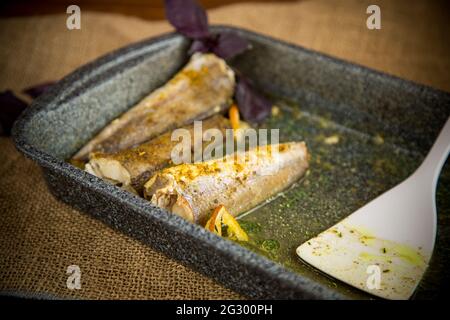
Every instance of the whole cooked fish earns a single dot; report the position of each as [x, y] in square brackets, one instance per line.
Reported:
[239, 181]
[131, 168]
[202, 88]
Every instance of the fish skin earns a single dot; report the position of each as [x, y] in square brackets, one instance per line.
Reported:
[204, 87]
[194, 190]
[138, 164]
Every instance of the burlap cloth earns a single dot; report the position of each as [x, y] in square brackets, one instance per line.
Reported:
[41, 237]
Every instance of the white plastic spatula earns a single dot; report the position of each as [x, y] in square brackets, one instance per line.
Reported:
[385, 247]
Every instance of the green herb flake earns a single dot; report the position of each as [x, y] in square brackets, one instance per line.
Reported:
[270, 245]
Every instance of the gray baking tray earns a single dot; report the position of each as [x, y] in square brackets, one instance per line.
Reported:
[318, 95]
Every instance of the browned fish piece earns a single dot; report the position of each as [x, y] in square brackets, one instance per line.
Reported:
[239, 181]
[131, 168]
[202, 88]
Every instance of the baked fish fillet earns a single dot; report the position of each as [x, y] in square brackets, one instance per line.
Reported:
[131, 168]
[238, 181]
[202, 88]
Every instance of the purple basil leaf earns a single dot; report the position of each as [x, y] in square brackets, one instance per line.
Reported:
[188, 18]
[230, 44]
[253, 106]
[39, 89]
[10, 109]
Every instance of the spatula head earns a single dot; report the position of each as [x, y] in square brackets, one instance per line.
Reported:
[353, 255]
[384, 247]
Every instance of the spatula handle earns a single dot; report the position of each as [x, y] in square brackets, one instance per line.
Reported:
[432, 165]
